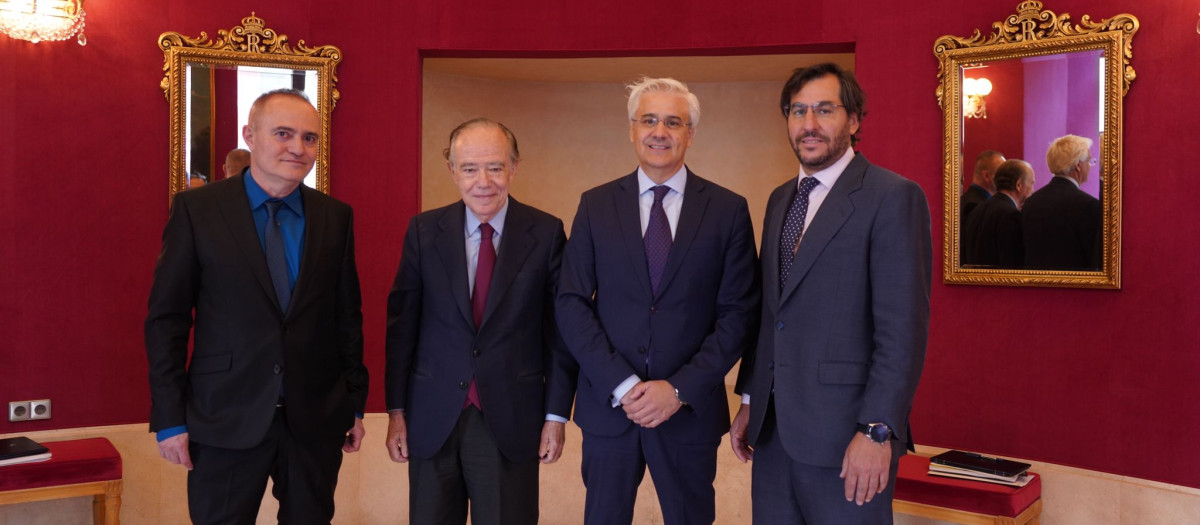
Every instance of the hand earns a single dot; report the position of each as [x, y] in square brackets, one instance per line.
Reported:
[354, 436]
[397, 437]
[175, 450]
[554, 434]
[865, 468]
[651, 404]
[737, 435]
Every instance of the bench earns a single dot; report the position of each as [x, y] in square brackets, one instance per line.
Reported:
[963, 501]
[82, 467]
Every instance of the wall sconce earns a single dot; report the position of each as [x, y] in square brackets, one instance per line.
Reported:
[38, 20]
[974, 89]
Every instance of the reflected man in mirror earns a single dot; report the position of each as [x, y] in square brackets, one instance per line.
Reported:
[236, 161]
[982, 186]
[846, 269]
[1061, 223]
[479, 385]
[196, 180]
[263, 268]
[992, 233]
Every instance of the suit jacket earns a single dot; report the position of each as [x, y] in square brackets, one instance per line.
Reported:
[992, 236]
[974, 196]
[690, 334]
[517, 358]
[212, 263]
[844, 342]
[1061, 226]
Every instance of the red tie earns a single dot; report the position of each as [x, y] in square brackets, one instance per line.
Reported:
[483, 282]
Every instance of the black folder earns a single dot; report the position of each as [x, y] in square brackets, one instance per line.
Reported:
[980, 463]
[19, 447]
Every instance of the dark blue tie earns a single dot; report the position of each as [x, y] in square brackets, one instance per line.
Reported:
[793, 227]
[276, 256]
[657, 239]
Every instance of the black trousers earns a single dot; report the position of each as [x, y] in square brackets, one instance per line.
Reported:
[469, 470]
[226, 486]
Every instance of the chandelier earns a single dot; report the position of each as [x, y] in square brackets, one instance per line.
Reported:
[38, 20]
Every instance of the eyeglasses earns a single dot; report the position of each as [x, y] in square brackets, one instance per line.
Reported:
[672, 123]
[822, 110]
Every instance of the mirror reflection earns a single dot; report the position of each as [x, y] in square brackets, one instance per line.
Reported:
[1041, 209]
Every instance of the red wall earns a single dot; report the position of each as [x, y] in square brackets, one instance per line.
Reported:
[1002, 130]
[1105, 380]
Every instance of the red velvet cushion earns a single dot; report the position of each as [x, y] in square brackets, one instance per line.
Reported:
[71, 462]
[913, 483]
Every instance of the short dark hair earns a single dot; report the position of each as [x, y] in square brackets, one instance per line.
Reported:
[1009, 172]
[851, 94]
[514, 154]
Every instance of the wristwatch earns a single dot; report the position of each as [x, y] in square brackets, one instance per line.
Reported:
[680, 399]
[878, 432]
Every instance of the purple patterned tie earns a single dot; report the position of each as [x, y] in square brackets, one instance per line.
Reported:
[657, 239]
[793, 227]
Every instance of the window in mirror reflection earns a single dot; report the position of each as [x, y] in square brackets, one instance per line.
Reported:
[217, 106]
[1033, 102]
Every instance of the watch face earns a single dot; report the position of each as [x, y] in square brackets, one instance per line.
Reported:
[879, 433]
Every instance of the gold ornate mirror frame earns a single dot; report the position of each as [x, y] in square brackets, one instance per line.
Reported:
[250, 44]
[1033, 32]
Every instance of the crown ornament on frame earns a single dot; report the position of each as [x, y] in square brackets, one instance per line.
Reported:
[254, 37]
[1031, 25]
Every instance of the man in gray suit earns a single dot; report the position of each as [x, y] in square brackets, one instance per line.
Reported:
[846, 265]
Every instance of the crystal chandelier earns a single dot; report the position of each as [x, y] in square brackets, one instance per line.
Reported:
[38, 20]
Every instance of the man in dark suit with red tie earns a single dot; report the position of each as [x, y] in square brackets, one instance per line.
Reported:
[479, 386]
[846, 266]
[276, 376]
[658, 297]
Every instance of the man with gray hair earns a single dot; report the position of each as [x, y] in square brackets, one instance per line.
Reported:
[658, 295]
[1061, 222]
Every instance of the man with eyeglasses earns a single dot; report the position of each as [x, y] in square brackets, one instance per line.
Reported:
[478, 382]
[658, 296]
[846, 266]
[1060, 221]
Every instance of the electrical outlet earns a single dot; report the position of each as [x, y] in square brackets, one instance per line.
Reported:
[18, 411]
[39, 409]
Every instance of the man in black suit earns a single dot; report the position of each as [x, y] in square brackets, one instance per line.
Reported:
[992, 234]
[276, 377]
[657, 300]
[982, 185]
[1061, 222]
[479, 385]
[846, 269]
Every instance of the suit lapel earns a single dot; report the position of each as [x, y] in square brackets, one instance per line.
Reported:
[832, 214]
[629, 216]
[316, 221]
[235, 208]
[452, 252]
[695, 201]
[514, 249]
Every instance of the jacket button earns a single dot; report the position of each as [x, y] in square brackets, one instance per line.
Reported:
[475, 353]
[779, 326]
[276, 369]
[771, 365]
[462, 385]
[641, 349]
[653, 309]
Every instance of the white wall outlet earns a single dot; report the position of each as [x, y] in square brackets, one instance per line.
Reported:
[18, 411]
[39, 409]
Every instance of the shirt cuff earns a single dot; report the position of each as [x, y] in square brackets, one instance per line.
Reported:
[624, 388]
[168, 433]
[745, 399]
[556, 418]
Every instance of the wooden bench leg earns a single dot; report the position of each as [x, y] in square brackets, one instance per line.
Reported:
[106, 508]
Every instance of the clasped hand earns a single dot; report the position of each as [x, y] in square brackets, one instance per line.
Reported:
[650, 403]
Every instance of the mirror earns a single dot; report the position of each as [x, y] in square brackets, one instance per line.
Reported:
[210, 85]
[1036, 78]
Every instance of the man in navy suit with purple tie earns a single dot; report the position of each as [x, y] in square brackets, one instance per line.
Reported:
[658, 295]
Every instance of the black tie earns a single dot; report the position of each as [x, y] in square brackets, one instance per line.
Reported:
[793, 227]
[657, 239]
[276, 256]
